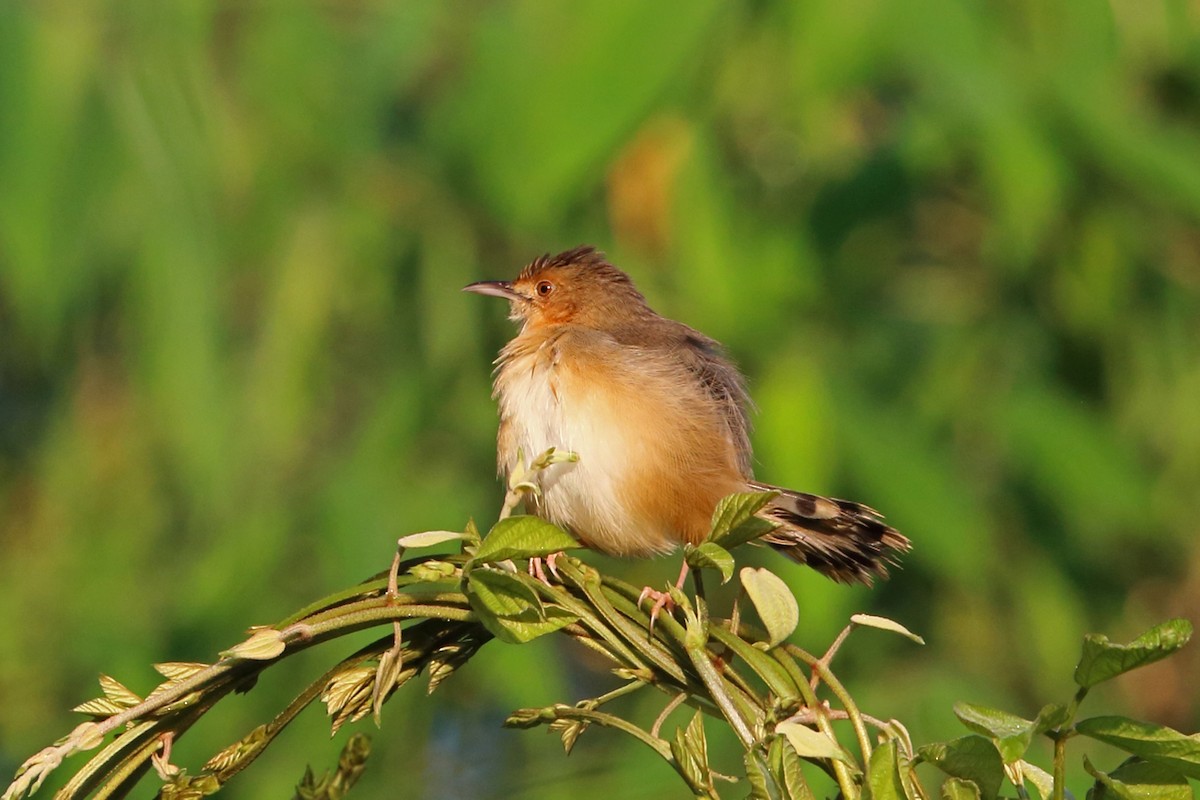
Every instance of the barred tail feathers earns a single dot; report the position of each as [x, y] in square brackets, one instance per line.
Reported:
[841, 539]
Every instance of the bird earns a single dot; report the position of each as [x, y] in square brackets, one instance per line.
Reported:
[659, 418]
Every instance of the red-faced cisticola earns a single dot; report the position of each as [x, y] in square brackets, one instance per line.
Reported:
[658, 417]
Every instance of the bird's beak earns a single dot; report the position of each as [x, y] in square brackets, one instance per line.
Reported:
[494, 288]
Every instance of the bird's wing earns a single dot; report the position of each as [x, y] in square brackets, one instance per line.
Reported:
[705, 359]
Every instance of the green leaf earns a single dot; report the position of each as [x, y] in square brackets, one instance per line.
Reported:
[763, 785]
[1042, 781]
[1138, 780]
[733, 521]
[116, 691]
[519, 631]
[1052, 715]
[695, 621]
[972, 758]
[708, 555]
[885, 624]
[430, 538]
[263, 645]
[179, 670]
[809, 743]
[387, 677]
[959, 789]
[87, 736]
[569, 731]
[434, 571]
[774, 602]
[523, 537]
[883, 774]
[1010, 733]
[472, 532]
[510, 609]
[764, 664]
[690, 750]
[1155, 743]
[99, 707]
[795, 786]
[1102, 659]
[503, 594]
[347, 697]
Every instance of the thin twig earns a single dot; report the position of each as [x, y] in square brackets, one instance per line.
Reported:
[675, 703]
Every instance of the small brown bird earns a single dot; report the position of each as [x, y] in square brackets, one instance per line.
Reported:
[658, 417]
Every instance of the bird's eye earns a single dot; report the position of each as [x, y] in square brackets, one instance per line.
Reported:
[544, 288]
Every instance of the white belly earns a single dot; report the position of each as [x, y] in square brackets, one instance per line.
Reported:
[545, 408]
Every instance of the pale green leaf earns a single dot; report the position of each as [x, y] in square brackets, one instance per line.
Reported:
[1042, 781]
[115, 691]
[430, 538]
[387, 677]
[99, 707]
[434, 571]
[347, 697]
[235, 756]
[179, 670]
[569, 731]
[885, 624]
[87, 736]
[471, 532]
[810, 743]
[263, 645]
[774, 602]
[690, 751]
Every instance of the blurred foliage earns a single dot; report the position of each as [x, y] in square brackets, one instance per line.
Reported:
[955, 246]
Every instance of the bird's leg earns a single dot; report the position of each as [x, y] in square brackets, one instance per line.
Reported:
[663, 599]
[535, 567]
[161, 760]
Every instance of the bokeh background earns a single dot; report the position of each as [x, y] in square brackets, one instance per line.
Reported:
[954, 245]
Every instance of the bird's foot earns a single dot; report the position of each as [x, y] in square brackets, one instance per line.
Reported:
[537, 571]
[161, 760]
[661, 600]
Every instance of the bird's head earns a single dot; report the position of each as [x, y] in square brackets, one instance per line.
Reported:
[578, 286]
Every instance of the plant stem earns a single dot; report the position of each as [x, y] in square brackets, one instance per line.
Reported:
[609, 721]
[1060, 765]
[713, 682]
[675, 703]
[860, 729]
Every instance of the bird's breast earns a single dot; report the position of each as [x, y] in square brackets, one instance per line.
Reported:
[652, 460]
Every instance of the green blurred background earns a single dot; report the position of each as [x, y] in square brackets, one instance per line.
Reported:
[954, 245]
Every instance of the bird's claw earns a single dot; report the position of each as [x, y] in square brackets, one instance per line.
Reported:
[536, 570]
[161, 759]
[661, 600]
